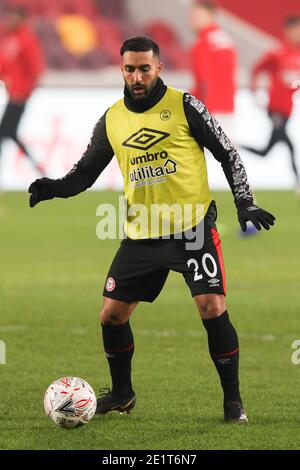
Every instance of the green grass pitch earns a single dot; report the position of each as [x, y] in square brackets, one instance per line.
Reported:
[51, 278]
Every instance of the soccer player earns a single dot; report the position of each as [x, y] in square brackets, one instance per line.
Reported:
[21, 65]
[283, 68]
[158, 134]
[213, 63]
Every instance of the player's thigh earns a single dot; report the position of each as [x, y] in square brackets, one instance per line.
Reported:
[137, 272]
[203, 269]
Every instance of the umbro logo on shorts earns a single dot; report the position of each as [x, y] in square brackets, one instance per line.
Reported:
[145, 138]
[214, 281]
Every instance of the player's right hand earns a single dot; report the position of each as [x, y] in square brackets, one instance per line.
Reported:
[41, 190]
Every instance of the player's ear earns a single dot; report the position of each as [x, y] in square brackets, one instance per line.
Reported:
[121, 63]
[159, 67]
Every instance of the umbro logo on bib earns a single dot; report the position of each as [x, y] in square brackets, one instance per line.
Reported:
[145, 138]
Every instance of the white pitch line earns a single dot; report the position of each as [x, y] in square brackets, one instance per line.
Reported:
[13, 327]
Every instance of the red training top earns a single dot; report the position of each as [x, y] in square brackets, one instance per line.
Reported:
[283, 67]
[21, 62]
[213, 64]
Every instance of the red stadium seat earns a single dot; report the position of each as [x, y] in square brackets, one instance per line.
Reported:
[53, 8]
[110, 37]
[173, 53]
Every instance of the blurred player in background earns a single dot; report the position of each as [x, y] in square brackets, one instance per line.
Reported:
[174, 127]
[283, 69]
[21, 65]
[213, 63]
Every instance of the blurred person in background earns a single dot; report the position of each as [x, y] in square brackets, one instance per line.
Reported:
[213, 64]
[21, 65]
[282, 66]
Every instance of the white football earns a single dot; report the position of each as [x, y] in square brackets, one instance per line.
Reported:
[70, 402]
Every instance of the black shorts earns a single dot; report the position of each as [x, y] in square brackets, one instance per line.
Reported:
[141, 267]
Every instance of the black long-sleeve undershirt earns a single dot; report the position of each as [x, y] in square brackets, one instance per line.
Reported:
[203, 127]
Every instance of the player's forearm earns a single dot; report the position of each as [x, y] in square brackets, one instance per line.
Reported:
[97, 156]
[208, 133]
[94, 160]
[75, 182]
[236, 176]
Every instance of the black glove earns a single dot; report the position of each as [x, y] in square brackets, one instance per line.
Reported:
[41, 190]
[248, 211]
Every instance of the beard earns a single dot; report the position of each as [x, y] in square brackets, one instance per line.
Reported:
[140, 92]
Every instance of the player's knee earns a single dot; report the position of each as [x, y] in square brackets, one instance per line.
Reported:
[215, 309]
[211, 306]
[115, 312]
[109, 316]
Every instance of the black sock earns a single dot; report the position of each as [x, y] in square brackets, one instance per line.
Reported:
[224, 350]
[119, 347]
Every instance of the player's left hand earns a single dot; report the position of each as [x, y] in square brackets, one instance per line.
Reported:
[252, 213]
[41, 190]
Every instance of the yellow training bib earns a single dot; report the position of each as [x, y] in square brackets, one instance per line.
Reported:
[164, 169]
